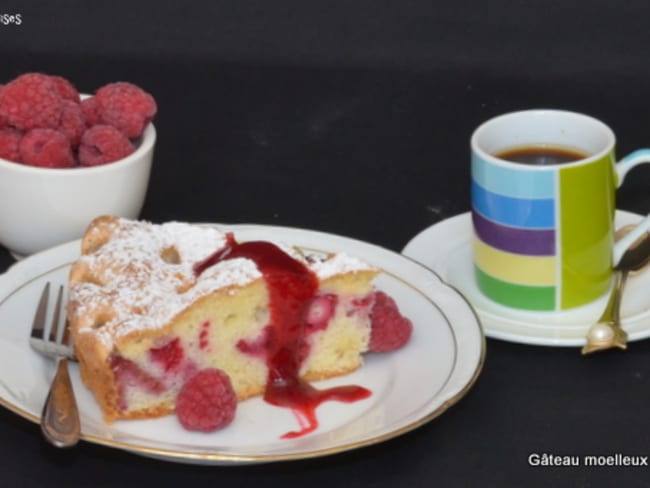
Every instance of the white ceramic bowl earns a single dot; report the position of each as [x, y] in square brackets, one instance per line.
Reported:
[43, 207]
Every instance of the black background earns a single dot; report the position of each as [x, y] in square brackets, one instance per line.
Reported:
[353, 117]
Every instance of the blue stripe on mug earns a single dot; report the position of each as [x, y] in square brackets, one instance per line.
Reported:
[518, 183]
[528, 213]
[529, 242]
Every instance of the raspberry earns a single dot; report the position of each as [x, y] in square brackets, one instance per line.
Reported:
[103, 144]
[169, 356]
[90, 110]
[390, 329]
[127, 374]
[204, 335]
[320, 311]
[3, 119]
[31, 101]
[207, 401]
[126, 107]
[73, 123]
[47, 148]
[9, 144]
[65, 89]
[259, 345]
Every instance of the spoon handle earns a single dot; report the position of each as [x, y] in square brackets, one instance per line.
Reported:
[607, 332]
[613, 307]
[621, 279]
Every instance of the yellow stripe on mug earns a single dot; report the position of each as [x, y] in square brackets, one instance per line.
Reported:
[515, 268]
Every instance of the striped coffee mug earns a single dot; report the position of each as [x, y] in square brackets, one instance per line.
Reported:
[544, 233]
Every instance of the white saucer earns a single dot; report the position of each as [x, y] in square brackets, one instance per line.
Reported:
[446, 248]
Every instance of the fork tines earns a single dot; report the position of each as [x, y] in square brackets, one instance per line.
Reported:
[50, 344]
[38, 326]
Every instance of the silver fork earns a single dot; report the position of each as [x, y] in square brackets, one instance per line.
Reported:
[60, 417]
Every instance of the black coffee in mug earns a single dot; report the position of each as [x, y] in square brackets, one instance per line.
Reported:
[541, 154]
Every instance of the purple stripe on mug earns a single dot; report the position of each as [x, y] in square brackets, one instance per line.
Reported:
[532, 242]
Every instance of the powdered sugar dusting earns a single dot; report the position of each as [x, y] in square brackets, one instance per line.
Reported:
[232, 272]
[143, 275]
[337, 264]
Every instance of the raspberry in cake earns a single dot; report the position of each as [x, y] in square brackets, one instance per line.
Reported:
[153, 306]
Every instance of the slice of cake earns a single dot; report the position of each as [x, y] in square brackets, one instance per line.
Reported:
[151, 305]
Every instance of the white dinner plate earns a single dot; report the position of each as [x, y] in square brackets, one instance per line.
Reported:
[446, 249]
[409, 387]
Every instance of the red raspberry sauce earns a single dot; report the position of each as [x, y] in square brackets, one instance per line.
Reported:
[291, 287]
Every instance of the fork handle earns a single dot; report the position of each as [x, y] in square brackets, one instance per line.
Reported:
[60, 419]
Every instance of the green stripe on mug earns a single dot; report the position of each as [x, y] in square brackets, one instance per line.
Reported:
[586, 230]
[516, 295]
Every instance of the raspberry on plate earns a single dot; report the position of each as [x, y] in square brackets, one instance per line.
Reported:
[103, 144]
[31, 101]
[390, 329]
[126, 107]
[48, 148]
[207, 401]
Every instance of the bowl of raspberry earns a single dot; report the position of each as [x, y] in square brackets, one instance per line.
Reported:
[66, 158]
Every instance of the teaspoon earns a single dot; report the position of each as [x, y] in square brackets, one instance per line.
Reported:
[607, 332]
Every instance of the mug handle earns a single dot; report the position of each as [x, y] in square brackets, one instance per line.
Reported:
[633, 159]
